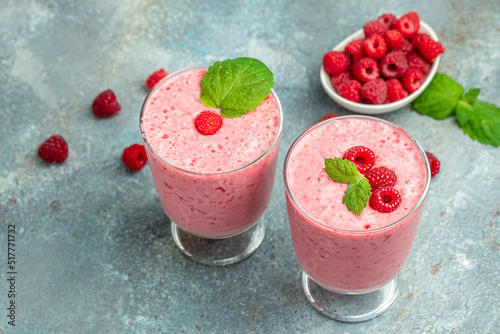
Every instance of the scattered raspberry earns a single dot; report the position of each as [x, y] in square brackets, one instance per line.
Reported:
[375, 47]
[374, 28]
[335, 62]
[433, 162]
[208, 122]
[381, 177]
[53, 150]
[407, 24]
[350, 90]
[393, 65]
[340, 78]
[105, 104]
[362, 157]
[430, 49]
[355, 49]
[374, 92]
[328, 116]
[394, 39]
[387, 20]
[385, 200]
[365, 69]
[412, 80]
[416, 61]
[155, 77]
[395, 90]
[134, 157]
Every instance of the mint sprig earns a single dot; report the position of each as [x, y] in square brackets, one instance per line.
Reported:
[358, 192]
[478, 119]
[236, 86]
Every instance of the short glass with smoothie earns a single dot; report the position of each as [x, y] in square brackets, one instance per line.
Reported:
[213, 187]
[342, 252]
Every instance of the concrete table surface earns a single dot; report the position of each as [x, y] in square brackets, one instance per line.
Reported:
[94, 253]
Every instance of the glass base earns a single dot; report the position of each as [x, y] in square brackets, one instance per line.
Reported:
[350, 307]
[220, 252]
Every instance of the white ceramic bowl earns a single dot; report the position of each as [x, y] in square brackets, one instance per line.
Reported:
[371, 109]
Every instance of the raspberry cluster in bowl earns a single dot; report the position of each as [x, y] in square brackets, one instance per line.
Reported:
[385, 63]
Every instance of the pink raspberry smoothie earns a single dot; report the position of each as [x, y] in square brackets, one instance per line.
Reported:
[339, 250]
[212, 186]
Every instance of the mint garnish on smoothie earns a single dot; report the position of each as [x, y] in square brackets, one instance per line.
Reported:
[358, 192]
[236, 86]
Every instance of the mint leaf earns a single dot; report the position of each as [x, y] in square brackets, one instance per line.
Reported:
[357, 195]
[236, 86]
[440, 97]
[463, 112]
[484, 124]
[471, 96]
[358, 192]
[342, 171]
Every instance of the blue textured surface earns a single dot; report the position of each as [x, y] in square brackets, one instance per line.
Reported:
[94, 250]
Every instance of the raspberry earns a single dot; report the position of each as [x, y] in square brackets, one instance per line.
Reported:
[362, 157]
[365, 69]
[430, 49]
[381, 177]
[155, 77]
[328, 116]
[53, 150]
[374, 92]
[335, 62]
[355, 49]
[340, 78]
[433, 162]
[375, 47]
[105, 104]
[394, 39]
[395, 90]
[417, 38]
[374, 28]
[407, 47]
[412, 79]
[350, 90]
[408, 24]
[208, 122]
[134, 157]
[385, 200]
[393, 65]
[387, 20]
[416, 61]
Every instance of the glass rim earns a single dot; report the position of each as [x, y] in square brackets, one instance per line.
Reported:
[146, 141]
[420, 202]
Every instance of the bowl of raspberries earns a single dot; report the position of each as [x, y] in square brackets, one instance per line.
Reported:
[382, 67]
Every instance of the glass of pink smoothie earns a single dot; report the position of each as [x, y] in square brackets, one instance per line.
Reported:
[350, 263]
[214, 188]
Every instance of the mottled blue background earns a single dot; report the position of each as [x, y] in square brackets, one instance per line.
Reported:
[94, 249]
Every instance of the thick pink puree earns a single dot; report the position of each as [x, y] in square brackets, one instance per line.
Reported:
[338, 249]
[211, 186]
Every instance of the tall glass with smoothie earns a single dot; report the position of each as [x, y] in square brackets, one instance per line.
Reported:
[212, 135]
[355, 189]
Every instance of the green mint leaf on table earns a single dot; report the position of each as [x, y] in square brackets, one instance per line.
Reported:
[357, 195]
[440, 98]
[341, 171]
[464, 112]
[236, 86]
[358, 192]
[471, 96]
[464, 109]
[484, 124]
